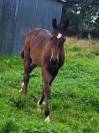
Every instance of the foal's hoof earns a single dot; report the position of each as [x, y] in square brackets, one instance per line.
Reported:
[47, 119]
[22, 87]
[38, 107]
[43, 103]
[21, 90]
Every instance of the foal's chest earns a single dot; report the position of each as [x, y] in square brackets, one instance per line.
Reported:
[53, 69]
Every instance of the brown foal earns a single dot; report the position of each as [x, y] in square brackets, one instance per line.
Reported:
[44, 49]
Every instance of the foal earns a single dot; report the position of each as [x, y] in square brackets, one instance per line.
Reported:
[44, 49]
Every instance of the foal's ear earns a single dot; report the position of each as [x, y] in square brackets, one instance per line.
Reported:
[54, 23]
[65, 25]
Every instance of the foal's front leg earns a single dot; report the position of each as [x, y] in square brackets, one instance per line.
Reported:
[39, 103]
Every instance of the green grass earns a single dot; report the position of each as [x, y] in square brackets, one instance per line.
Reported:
[75, 94]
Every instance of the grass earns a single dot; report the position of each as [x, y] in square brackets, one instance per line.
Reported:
[75, 94]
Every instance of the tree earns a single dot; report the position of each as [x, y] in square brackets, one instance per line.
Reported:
[82, 14]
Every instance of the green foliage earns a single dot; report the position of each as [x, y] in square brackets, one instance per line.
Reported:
[83, 16]
[75, 94]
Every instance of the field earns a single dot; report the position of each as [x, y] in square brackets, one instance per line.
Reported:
[75, 93]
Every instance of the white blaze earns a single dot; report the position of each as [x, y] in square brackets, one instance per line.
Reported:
[59, 35]
[51, 55]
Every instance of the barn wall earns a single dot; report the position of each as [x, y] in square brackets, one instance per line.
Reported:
[1, 2]
[20, 17]
[7, 26]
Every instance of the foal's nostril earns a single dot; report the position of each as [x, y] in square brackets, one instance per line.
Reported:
[53, 61]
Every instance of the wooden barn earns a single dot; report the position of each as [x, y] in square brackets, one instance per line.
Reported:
[17, 17]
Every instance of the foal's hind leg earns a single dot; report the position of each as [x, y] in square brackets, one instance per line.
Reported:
[28, 67]
[26, 76]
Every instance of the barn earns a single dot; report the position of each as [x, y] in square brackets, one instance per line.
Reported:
[17, 17]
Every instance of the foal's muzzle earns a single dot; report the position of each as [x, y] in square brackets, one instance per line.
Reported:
[53, 61]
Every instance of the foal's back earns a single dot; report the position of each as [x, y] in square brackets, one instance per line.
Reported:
[38, 42]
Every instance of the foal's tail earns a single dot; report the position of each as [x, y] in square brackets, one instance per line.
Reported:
[22, 53]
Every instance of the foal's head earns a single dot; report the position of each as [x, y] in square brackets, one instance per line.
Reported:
[58, 39]
[59, 30]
